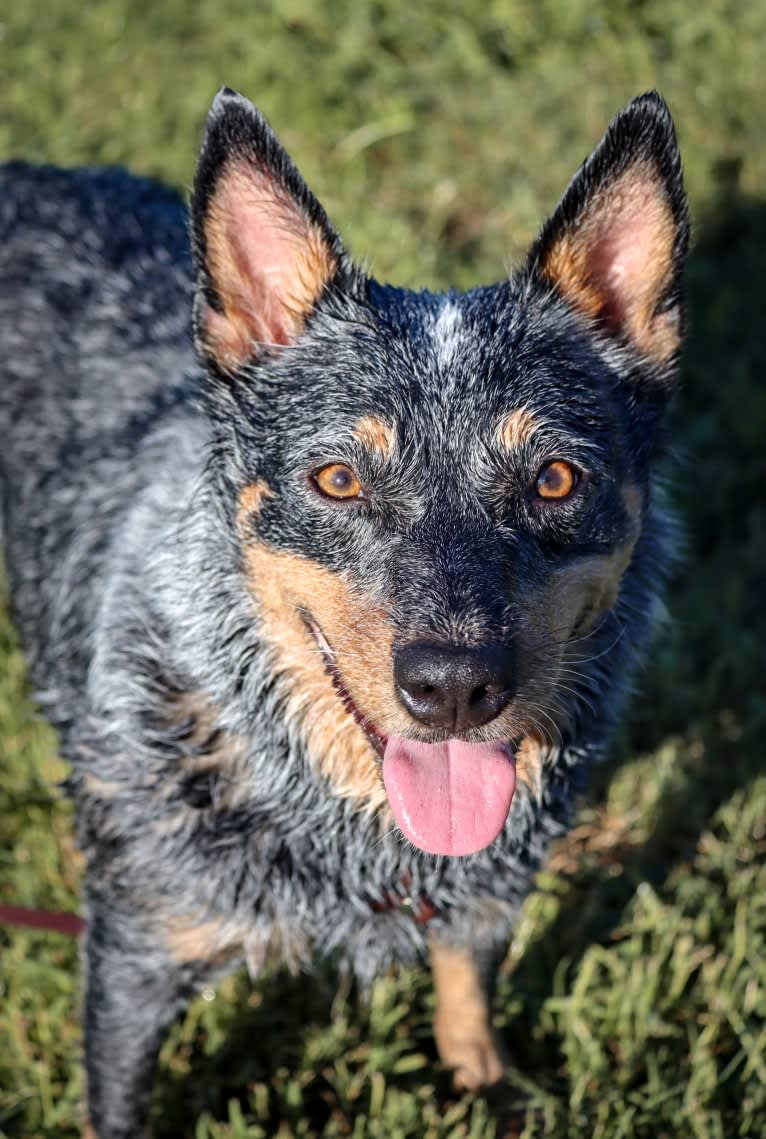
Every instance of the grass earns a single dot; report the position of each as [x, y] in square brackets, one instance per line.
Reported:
[633, 998]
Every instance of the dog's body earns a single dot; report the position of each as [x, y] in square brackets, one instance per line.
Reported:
[240, 585]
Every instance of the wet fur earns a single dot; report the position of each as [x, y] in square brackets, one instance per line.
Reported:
[162, 536]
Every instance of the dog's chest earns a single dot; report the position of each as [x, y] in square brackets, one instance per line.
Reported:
[320, 879]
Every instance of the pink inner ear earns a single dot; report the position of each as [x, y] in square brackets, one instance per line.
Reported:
[614, 261]
[267, 261]
[629, 259]
[268, 257]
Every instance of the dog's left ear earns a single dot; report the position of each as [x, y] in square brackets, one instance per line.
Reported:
[264, 249]
[616, 244]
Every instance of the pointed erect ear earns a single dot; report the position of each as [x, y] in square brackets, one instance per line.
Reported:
[264, 249]
[616, 244]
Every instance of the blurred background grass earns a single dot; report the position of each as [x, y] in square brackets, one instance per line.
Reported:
[633, 1000]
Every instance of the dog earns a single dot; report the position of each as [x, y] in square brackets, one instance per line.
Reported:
[333, 591]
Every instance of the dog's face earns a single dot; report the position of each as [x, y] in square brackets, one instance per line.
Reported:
[437, 498]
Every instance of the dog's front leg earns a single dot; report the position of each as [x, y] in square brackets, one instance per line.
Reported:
[133, 992]
[464, 980]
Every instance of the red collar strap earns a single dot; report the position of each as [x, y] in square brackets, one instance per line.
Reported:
[71, 924]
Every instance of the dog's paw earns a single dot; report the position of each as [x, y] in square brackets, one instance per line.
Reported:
[472, 1053]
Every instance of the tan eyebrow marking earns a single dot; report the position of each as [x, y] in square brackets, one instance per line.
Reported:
[375, 434]
[517, 428]
[251, 500]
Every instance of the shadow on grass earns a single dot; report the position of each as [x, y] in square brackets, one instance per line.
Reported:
[298, 1051]
[259, 1046]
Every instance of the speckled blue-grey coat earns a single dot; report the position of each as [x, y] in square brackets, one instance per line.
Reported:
[278, 535]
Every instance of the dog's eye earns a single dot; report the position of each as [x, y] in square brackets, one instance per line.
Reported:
[557, 480]
[336, 480]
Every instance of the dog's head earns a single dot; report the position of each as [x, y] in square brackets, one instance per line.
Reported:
[438, 498]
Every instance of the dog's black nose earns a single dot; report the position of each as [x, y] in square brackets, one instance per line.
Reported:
[452, 687]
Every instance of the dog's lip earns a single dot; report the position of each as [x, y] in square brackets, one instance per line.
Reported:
[375, 735]
[377, 738]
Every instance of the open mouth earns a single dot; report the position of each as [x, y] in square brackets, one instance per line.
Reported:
[450, 797]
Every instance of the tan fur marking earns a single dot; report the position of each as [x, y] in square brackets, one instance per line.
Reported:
[576, 263]
[360, 634]
[282, 944]
[100, 788]
[517, 429]
[194, 938]
[196, 709]
[250, 502]
[462, 1022]
[211, 750]
[529, 763]
[375, 434]
[251, 305]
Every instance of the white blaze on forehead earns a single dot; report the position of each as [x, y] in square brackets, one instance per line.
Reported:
[446, 333]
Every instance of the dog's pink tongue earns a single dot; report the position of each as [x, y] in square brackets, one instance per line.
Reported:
[449, 798]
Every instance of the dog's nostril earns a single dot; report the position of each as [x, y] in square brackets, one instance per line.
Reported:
[486, 690]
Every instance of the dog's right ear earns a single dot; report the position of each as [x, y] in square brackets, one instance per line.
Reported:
[264, 249]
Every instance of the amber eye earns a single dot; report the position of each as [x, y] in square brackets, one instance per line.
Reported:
[336, 480]
[557, 480]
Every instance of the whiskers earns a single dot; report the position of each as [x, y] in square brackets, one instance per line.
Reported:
[565, 680]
